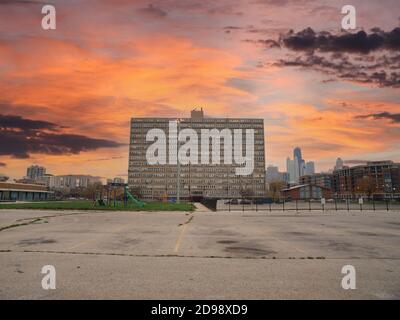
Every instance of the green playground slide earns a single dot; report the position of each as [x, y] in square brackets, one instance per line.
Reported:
[136, 201]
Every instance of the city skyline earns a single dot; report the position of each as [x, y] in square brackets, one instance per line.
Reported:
[68, 94]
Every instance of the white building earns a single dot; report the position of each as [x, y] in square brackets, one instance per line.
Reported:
[339, 164]
[72, 181]
[34, 172]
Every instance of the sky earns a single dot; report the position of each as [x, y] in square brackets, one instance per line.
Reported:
[67, 95]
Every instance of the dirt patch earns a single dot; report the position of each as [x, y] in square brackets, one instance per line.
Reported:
[369, 234]
[248, 250]
[298, 233]
[227, 241]
[35, 241]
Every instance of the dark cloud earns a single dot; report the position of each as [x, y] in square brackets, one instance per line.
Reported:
[17, 122]
[360, 42]
[266, 43]
[360, 57]
[153, 11]
[20, 137]
[3, 164]
[345, 68]
[393, 117]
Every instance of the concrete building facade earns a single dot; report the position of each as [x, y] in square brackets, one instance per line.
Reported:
[158, 181]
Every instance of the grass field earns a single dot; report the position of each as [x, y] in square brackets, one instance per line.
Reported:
[88, 205]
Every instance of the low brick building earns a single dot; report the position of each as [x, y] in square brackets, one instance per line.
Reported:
[383, 177]
[306, 191]
[23, 192]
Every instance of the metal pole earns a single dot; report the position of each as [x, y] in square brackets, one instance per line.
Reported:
[387, 205]
[178, 191]
[373, 202]
[124, 197]
[335, 204]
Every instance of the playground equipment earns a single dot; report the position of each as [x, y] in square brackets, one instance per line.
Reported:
[127, 195]
[115, 191]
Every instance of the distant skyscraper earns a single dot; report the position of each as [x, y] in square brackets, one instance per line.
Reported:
[300, 165]
[290, 168]
[310, 168]
[297, 153]
[35, 172]
[339, 164]
[272, 174]
[297, 167]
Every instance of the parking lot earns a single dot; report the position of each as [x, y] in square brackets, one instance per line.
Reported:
[200, 255]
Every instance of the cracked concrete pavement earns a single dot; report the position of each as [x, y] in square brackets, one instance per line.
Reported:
[201, 255]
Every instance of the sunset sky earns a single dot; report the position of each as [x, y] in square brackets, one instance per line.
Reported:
[67, 95]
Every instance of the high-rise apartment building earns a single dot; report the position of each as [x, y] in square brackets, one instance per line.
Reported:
[35, 172]
[197, 179]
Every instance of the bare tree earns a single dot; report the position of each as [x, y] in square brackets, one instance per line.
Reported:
[275, 189]
[366, 185]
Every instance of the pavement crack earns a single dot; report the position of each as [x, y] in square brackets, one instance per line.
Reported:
[187, 221]
[192, 256]
[15, 225]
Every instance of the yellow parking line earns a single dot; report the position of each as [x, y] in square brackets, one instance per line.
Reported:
[178, 242]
